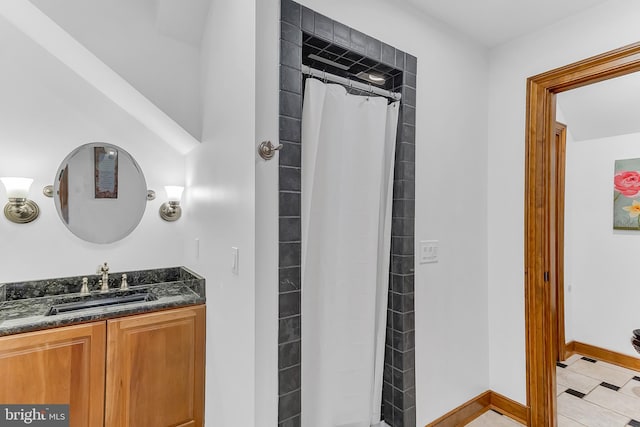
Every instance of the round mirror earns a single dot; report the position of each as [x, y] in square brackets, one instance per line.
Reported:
[100, 192]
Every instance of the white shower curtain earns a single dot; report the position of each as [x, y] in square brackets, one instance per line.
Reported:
[348, 149]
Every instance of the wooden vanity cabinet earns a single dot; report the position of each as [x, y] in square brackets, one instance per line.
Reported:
[155, 369]
[153, 364]
[57, 366]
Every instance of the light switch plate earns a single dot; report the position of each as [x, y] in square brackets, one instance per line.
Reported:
[428, 251]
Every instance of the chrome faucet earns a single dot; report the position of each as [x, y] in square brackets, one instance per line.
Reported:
[104, 270]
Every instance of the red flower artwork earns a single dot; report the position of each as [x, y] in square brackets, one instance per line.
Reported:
[627, 183]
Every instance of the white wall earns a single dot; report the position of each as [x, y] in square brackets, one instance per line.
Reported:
[266, 181]
[125, 35]
[221, 198]
[600, 262]
[597, 30]
[46, 111]
[451, 296]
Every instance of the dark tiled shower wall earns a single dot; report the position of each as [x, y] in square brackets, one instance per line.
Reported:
[399, 373]
[398, 394]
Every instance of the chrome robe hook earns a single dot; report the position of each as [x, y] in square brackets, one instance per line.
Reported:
[267, 150]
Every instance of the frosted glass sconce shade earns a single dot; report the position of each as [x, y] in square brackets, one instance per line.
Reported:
[20, 209]
[17, 188]
[171, 210]
[174, 192]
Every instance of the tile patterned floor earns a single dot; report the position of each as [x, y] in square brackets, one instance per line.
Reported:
[591, 393]
[493, 419]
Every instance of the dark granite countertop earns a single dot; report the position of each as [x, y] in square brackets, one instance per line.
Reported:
[24, 306]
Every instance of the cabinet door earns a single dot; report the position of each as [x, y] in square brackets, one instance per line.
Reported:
[155, 369]
[57, 366]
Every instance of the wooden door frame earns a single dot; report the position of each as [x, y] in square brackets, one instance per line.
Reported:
[540, 128]
[561, 159]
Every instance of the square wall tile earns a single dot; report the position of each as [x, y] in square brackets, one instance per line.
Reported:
[308, 20]
[408, 134]
[289, 204]
[290, 129]
[341, 35]
[409, 417]
[388, 55]
[291, 105]
[409, 96]
[289, 254]
[405, 171]
[401, 264]
[399, 60]
[323, 27]
[374, 48]
[289, 329]
[290, 54]
[402, 227]
[290, 79]
[289, 380]
[403, 208]
[358, 42]
[290, 12]
[408, 283]
[290, 229]
[289, 405]
[402, 245]
[408, 115]
[403, 189]
[291, 33]
[410, 79]
[289, 179]
[290, 154]
[289, 354]
[289, 279]
[406, 152]
[411, 63]
[289, 304]
[291, 422]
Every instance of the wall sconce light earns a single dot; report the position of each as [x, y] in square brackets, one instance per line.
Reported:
[171, 210]
[20, 209]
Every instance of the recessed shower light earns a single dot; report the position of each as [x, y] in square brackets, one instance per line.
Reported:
[371, 78]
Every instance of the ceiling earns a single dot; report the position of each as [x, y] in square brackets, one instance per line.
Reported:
[152, 44]
[493, 22]
[600, 110]
[181, 20]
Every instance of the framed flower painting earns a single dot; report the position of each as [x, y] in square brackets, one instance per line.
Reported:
[626, 195]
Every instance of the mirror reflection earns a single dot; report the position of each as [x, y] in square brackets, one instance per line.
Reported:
[100, 192]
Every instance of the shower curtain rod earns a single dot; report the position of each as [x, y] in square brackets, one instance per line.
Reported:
[306, 70]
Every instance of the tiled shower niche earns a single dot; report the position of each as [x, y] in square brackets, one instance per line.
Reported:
[300, 24]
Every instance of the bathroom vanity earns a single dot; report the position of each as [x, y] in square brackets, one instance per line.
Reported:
[136, 362]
